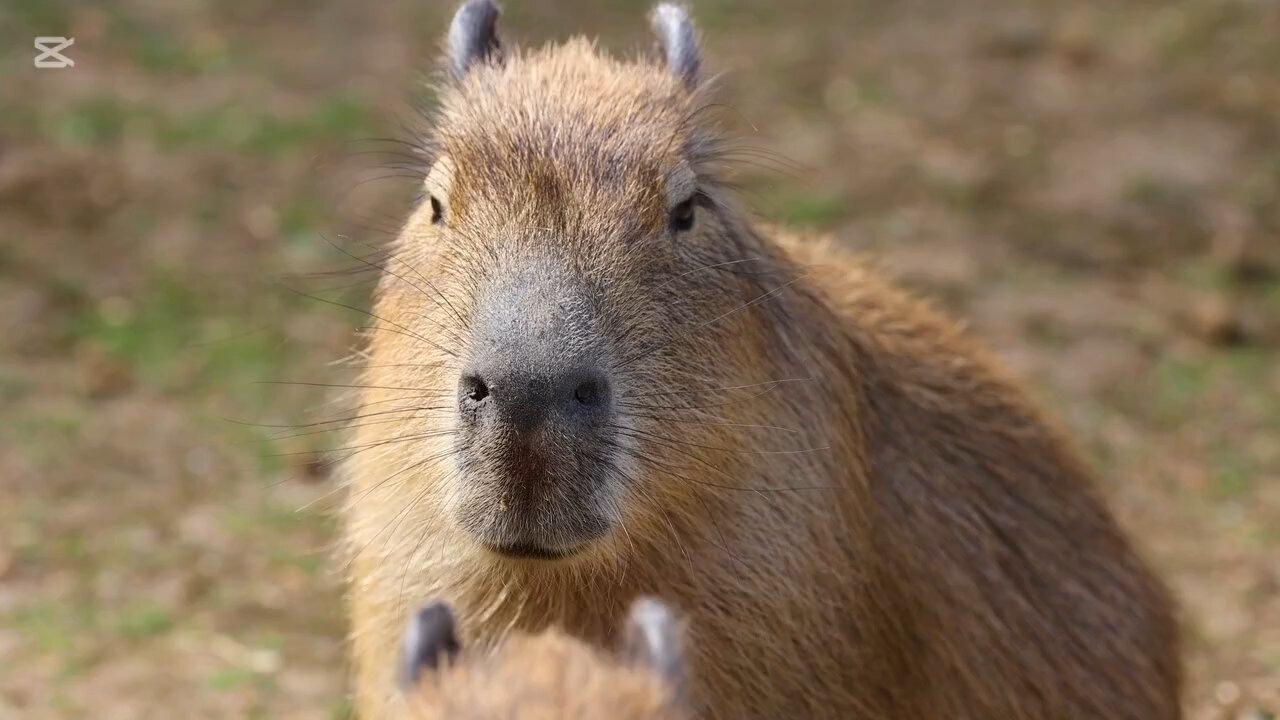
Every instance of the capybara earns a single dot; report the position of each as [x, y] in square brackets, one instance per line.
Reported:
[547, 676]
[592, 377]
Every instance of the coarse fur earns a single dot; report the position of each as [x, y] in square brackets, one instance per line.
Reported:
[553, 676]
[861, 514]
[549, 676]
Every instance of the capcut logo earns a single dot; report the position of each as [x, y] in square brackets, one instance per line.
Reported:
[50, 52]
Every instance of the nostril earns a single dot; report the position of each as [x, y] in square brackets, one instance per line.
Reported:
[475, 388]
[588, 393]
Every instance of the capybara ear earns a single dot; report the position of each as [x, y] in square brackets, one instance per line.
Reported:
[654, 638]
[473, 37]
[429, 639]
[677, 42]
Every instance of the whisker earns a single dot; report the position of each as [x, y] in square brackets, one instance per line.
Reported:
[719, 449]
[755, 301]
[367, 446]
[394, 522]
[702, 461]
[339, 385]
[383, 268]
[416, 415]
[408, 468]
[668, 419]
[335, 303]
[771, 383]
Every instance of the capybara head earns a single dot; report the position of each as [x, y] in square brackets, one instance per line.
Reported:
[549, 675]
[574, 294]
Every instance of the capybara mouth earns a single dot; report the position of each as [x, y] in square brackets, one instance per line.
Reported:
[521, 527]
[527, 503]
[530, 551]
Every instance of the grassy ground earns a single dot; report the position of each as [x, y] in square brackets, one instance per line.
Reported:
[1095, 186]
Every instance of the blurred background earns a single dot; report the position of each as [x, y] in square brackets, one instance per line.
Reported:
[1094, 186]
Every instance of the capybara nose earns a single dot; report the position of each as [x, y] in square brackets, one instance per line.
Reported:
[512, 399]
[534, 361]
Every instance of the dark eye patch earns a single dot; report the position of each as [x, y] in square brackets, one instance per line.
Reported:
[437, 211]
[683, 215]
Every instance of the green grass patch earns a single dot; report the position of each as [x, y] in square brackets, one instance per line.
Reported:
[54, 627]
[806, 209]
[1232, 476]
[1249, 365]
[276, 520]
[151, 332]
[12, 387]
[168, 333]
[1182, 385]
[232, 127]
[309, 563]
[241, 128]
[300, 217]
[1271, 296]
[231, 678]
[160, 50]
[266, 452]
[343, 709]
[44, 435]
[28, 18]
[1205, 274]
[144, 621]
[1179, 385]
[93, 121]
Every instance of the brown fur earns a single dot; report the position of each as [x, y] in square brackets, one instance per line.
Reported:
[861, 513]
[548, 676]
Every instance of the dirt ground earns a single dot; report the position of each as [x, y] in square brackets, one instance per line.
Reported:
[1094, 186]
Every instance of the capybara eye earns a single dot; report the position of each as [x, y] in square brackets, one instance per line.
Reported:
[437, 211]
[682, 216]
